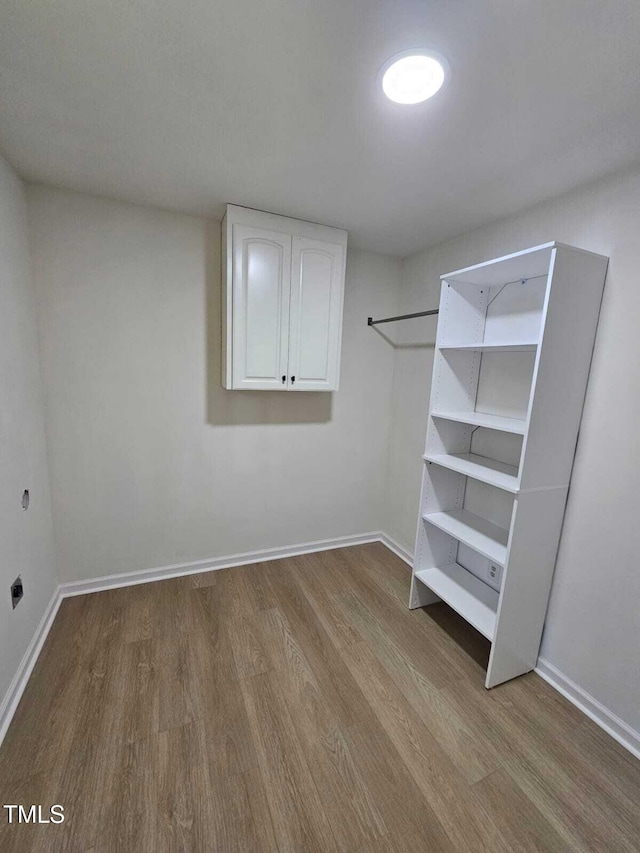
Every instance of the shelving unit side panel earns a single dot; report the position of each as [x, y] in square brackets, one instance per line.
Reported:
[420, 595]
[454, 383]
[531, 556]
[562, 366]
[427, 553]
[441, 490]
[462, 313]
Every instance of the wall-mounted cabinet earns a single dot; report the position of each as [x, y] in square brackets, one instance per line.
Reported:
[283, 292]
[513, 350]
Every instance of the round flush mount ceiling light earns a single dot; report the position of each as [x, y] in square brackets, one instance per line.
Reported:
[413, 76]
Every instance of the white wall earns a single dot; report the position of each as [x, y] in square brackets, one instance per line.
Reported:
[26, 538]
[592, 633]
[152, 462]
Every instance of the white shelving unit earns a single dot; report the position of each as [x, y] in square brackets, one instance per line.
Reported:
[514, 345]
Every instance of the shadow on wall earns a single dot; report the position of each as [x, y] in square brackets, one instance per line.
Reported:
[409, 345]
[226, 408]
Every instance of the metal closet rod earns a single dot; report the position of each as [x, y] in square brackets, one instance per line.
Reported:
[372, 322]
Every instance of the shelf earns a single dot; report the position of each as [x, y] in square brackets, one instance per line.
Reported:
[483, 536]
[480, 419]
[497, 474]
[512, 346]
[471, 598]
[529, 263]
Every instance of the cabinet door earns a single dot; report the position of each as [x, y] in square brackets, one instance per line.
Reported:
[317, 292]
[261, 290]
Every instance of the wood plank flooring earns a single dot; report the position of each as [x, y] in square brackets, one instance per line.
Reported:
[299, 706]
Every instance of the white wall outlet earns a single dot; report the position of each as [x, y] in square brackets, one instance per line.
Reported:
[494, 575]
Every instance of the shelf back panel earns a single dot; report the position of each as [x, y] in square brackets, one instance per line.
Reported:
[504, 384]
[514, 311]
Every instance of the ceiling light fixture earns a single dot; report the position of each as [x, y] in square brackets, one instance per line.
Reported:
[413, 76]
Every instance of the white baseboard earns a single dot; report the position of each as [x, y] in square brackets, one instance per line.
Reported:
[228, 562]
[603, 717]
[397, 548]
[13, 695]
[608, 721]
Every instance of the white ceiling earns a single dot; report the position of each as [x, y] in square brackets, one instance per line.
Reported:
[187, 104]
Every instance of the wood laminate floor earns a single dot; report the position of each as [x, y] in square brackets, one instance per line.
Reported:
[298, 705]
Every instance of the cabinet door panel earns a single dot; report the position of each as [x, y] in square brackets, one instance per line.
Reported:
[261, 291]
[317, 276]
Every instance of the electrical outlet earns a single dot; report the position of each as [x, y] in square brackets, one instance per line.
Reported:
[494, 574]
[17, 591]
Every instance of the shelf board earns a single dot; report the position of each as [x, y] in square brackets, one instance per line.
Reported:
[483, 536]
[467, 595]
[510, 346]
[497, 474]
[529, 263]
[480, 419]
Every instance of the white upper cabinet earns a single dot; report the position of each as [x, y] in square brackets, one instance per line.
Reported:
[283, 291]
